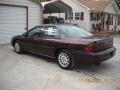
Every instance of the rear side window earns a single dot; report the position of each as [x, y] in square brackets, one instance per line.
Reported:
[51, 31]
[74, 31]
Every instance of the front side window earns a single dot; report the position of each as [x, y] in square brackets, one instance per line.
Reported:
[36, 32]
[51, 32]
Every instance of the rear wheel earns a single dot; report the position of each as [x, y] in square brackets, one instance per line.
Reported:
[17, 47]
[65, 59]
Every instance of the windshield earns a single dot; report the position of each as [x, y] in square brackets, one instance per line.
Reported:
[74, 31]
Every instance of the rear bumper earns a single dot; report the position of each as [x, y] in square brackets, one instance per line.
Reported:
[92, 58]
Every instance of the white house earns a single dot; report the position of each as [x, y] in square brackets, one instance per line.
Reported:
[17, 16]
[98, 15]
[92, 15]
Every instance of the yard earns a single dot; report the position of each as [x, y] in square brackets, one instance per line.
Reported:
[31, 72]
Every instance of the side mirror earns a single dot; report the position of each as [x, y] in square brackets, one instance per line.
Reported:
[24, 34]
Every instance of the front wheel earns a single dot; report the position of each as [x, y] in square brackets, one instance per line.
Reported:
[65, 60]
[17, 47]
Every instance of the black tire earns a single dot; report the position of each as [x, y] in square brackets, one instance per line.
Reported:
[17, 45]
[71, 63]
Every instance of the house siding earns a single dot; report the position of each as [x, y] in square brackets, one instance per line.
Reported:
[77, 7]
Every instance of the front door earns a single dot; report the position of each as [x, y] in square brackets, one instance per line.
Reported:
[33, 40]
[42, 40]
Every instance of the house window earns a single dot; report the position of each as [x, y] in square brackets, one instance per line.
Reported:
[71, 16]
[118, 22]
[77, 16]
[110, 19]
[95, 16]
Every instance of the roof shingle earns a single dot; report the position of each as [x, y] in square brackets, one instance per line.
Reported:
[96, 4]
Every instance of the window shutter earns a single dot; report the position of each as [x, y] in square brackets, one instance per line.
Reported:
[66, 16]
[82, 16]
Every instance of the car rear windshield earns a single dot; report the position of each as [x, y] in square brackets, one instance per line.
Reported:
[74, 31]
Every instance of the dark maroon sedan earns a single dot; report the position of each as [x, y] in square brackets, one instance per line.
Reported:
[68, 43]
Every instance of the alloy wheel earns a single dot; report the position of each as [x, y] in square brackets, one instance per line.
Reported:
[64, 59]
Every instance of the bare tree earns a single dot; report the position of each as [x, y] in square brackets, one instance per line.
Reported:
[118, 3]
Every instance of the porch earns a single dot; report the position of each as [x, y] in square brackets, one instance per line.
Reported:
[104, 23]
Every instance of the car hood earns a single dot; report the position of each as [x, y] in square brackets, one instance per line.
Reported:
[15, 37]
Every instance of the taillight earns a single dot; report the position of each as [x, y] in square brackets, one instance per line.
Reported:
[89, 48]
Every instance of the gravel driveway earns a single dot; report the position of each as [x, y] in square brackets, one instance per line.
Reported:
[31, 72]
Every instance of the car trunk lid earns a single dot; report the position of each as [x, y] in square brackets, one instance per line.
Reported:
[101, 44]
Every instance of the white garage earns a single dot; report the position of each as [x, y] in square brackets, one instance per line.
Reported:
[16, 17]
